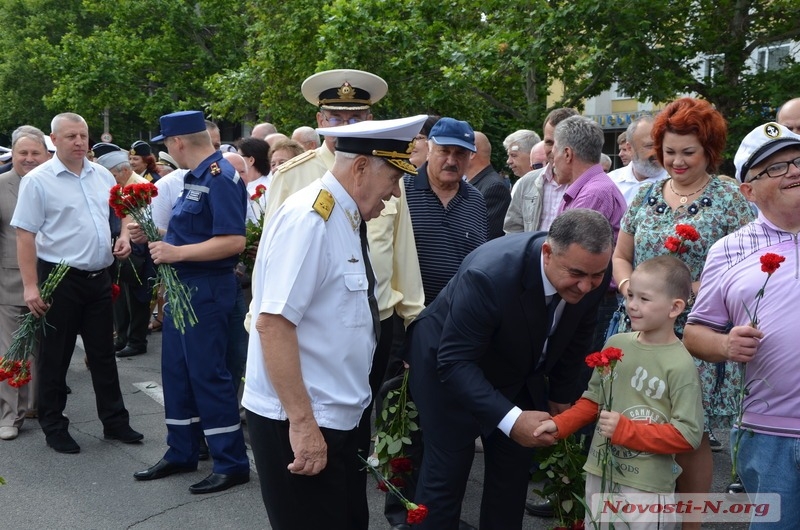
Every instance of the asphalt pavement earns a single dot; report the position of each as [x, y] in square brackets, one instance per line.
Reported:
[95, 489]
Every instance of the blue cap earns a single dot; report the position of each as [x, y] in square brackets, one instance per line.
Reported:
[178, 123]
[449, 131]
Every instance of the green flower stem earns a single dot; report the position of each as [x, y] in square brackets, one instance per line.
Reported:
[178, 295]
[26, 338]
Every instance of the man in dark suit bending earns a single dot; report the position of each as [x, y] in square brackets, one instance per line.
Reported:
[501, 348]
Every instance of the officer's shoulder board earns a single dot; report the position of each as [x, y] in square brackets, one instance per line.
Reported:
[324, 203]
[296, 161]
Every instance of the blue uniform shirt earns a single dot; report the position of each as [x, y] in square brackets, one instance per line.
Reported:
[213, 203]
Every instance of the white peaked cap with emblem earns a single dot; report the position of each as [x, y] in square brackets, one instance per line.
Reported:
[344, 89]
[391, 140]
[761, 143]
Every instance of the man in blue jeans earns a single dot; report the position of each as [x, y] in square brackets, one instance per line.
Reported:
[766, 439]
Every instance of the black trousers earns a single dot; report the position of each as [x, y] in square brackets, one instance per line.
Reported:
[131, 317]
[81, 305]
[334, 499]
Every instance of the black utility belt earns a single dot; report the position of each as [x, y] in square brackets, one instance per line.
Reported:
[76, 273]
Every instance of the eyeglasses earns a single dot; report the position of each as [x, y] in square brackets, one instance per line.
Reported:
[537, 165]
[334, 121]
[777, 169]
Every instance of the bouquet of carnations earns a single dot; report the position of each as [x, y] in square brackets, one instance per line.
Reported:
[134, 200]
[15, 366]
[679, 245]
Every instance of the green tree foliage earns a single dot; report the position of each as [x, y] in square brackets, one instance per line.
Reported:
[657, 51]
[282, 48]
[24, 81]
[138, 59]
[490, 62]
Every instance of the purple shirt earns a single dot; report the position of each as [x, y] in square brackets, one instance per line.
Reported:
[731, 278]
[596, 191]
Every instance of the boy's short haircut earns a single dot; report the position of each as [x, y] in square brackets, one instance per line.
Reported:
[676, 276]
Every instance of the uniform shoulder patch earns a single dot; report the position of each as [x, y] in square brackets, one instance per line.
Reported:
[296, 161]
[324, 203]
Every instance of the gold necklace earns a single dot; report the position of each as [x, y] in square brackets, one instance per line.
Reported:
[685, 198]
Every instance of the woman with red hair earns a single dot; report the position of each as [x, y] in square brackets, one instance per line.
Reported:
[688, 138]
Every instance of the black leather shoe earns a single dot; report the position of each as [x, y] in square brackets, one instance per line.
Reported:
[539, 509]
[62, 442]
[219, 482]
[736, 486]
[163, 469]
[123, 434]
[129, 351]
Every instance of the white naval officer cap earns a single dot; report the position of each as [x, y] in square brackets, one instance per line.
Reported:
[391, 140]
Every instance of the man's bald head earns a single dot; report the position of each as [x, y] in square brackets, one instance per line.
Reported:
[789, 115]
[262, 130]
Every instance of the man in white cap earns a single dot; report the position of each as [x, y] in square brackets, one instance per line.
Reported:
[733, 285]
[316, 329]
[345, 97]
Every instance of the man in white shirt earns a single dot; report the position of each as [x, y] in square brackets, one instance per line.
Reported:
[315, 330]
[644, 167]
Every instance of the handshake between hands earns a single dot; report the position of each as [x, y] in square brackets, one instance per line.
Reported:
[535, 428]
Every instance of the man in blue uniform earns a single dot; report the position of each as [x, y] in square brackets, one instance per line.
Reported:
[204, 238]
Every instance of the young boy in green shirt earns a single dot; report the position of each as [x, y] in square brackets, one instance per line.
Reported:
[657, 407]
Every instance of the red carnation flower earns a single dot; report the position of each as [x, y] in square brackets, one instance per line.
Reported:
[687, 232]
[382, 486]
[259, 192]
[401, 464]
[673, 244]
[115, 290]
[613, 354]
[771, 262]
[416, 513]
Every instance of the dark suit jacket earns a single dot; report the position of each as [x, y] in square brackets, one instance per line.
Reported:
[497, 197]
[474, 349]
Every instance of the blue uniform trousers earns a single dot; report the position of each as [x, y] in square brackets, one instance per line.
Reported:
[198, 389]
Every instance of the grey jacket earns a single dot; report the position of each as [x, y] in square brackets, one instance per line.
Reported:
[525, 211]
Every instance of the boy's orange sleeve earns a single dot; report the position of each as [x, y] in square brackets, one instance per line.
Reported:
[659, 438]
[582, 413]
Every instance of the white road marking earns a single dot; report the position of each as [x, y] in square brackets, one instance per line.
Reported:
[152, 389]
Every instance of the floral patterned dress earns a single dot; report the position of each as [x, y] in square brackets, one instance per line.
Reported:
[719, 211]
